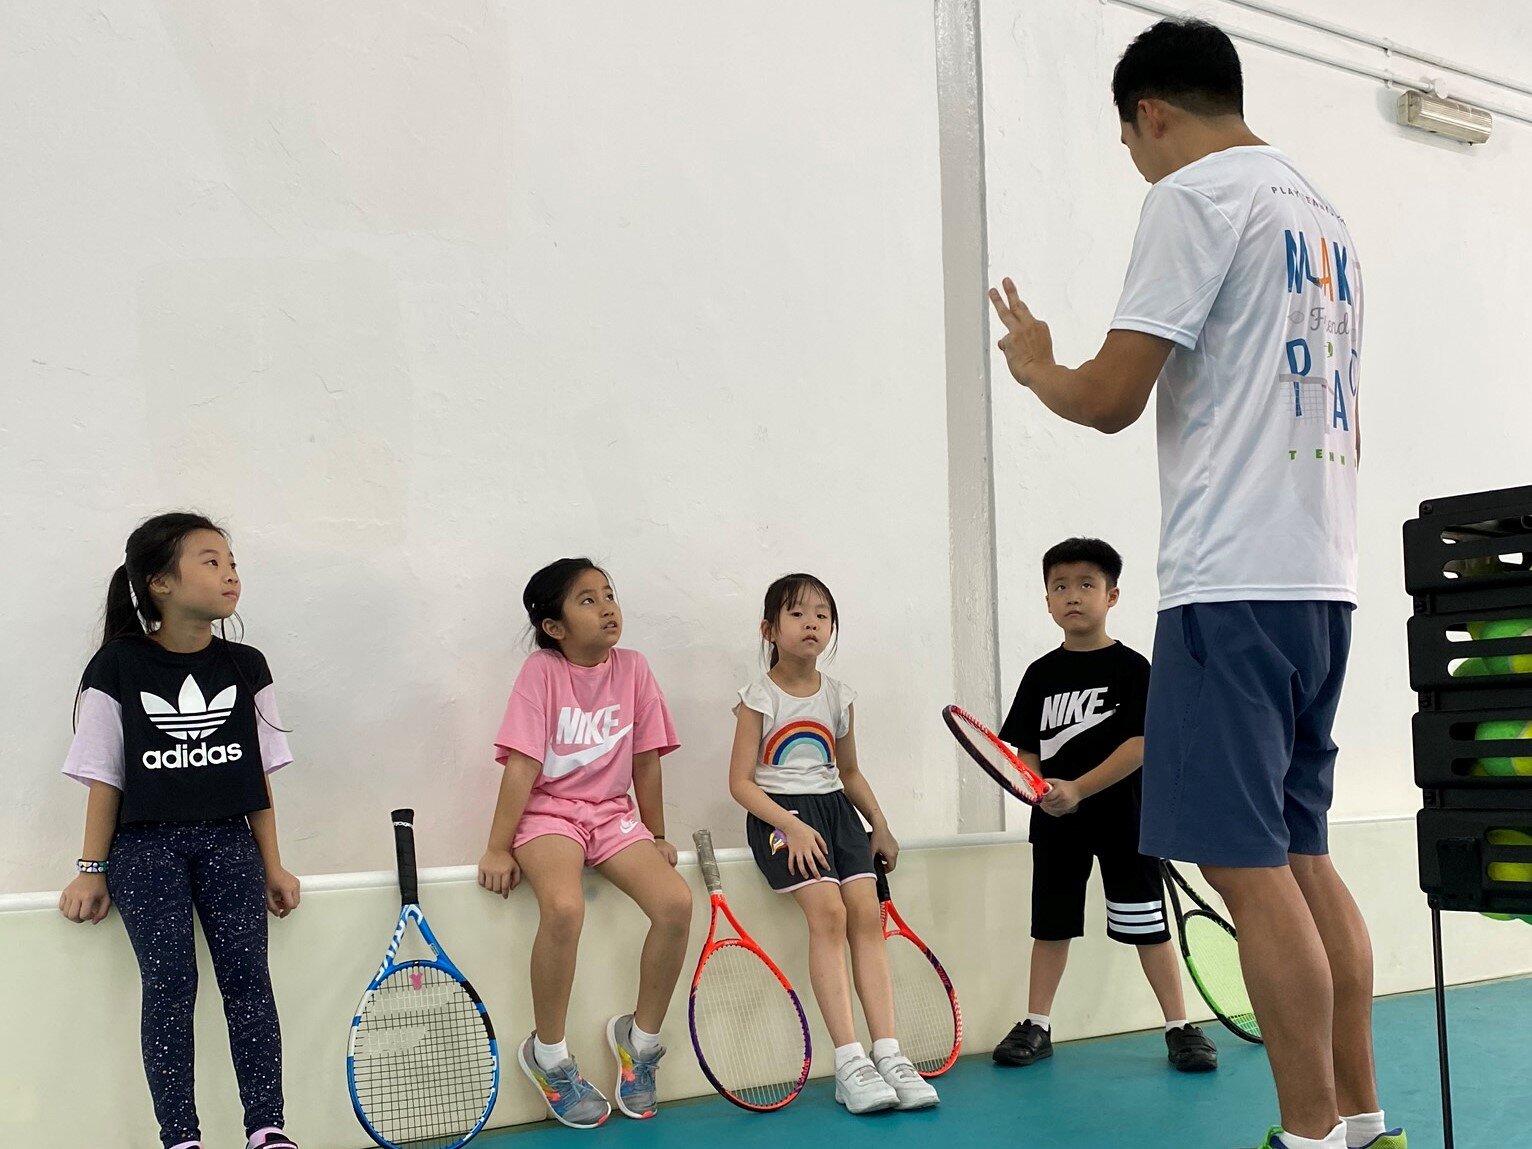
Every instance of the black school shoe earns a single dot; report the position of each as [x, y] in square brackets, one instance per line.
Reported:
[1191, 1050]
[1025, 1044]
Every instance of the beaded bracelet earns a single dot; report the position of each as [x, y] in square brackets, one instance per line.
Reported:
[87, 866]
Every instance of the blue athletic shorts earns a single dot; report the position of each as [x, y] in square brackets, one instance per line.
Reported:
[1239, 765]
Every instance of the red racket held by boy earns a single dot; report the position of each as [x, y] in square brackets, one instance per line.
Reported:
[927, 1020]
[996, 759]
[747, 1025]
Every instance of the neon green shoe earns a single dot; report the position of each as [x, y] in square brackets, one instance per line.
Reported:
[1392, 1140]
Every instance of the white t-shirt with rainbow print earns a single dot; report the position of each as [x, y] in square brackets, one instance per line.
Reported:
[798, 735]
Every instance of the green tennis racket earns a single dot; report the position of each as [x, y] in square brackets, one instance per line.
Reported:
[1210, 948]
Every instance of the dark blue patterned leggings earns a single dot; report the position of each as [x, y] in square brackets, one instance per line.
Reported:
[159, 872]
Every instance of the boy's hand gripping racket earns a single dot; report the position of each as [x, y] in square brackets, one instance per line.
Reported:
[1211, 950]
[747, 1026]
[994, 756]
[422, 1064]
[927, 1020]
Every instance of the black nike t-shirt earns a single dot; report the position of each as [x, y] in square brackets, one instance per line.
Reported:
[1073, 709]
[185, 737]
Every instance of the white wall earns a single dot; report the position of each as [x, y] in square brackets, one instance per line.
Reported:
[1443, 234]
[963, 900]
[418, 298]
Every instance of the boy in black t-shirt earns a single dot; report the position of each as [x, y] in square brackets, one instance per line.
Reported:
[1078, 719]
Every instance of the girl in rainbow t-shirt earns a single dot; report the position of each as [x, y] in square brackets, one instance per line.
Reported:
[794, 769]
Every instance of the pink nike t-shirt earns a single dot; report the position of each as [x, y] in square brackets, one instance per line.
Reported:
[585, 723]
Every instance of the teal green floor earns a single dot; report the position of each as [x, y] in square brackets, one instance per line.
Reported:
[1119, 1093]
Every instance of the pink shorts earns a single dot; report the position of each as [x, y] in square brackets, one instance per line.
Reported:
[603, 829]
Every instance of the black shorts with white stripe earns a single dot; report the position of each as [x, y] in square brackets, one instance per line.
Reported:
[1135, 899]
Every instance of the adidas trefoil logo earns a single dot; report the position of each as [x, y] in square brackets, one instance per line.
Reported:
[194, 717]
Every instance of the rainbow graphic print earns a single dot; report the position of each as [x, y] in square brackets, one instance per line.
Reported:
[799, 740]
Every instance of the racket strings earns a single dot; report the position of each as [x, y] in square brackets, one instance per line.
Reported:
[423, 1067]
[924, 1020]
[1213, 956]
[999, 764]
[748, 1028]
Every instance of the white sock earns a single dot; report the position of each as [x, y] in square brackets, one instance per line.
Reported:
[188, 1145]
[1179, 1023]
[644, 1042]
[1335, 1140]
[1363, 1129]
[1041, 1020]
[845, 1053]
[549, 1056]
[885, 1047]
[261, 1133]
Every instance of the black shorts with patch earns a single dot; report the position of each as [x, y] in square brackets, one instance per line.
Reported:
[847, 847]
[1063, 850]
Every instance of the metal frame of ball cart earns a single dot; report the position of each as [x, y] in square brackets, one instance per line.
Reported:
[1442, 547]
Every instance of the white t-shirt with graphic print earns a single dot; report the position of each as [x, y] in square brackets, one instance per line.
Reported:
[798, 735]
[1252, 274]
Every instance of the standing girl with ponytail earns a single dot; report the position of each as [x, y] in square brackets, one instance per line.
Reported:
[177, 730]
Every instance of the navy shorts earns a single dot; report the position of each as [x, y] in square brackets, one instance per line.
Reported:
[1239, 764]
[847, 847]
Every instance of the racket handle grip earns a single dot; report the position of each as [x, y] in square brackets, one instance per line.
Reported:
[880, 871]
[707, 860]
[404, 854]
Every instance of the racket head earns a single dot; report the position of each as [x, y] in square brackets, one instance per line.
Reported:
[422, 1062]
[748, 1027]
[1212, 957]
[994, 757]
[1210, 948]
[927, 1019]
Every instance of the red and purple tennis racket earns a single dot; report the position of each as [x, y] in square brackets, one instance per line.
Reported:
[748, 1027]
[996, 759]
[927, 1020]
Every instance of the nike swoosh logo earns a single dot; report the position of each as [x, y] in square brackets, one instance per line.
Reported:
[628, 825]
[558, 765]
[1051, 746]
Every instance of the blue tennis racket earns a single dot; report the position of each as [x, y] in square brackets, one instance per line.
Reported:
[422, 1063]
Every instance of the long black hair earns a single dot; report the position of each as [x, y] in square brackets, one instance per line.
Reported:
[786, 593]
[545, 594]
[152, 551]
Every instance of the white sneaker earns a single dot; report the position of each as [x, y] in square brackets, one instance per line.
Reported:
[913, 1090]
[861, 1088]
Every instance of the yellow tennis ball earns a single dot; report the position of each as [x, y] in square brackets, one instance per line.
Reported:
[1503, 767]
[1504, 628]
[1506, 836]
[1510, 871]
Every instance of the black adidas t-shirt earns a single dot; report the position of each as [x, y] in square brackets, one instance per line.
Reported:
[1073, 709]
[178, 734]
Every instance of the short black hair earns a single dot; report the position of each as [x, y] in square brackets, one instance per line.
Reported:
[1099, 554]
[1189, 63]
[793, 590]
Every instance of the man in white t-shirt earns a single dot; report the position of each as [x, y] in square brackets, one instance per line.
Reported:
[1243, 302]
